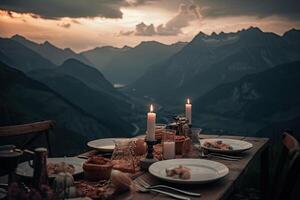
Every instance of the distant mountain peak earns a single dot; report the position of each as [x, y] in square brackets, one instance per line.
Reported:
[201, 35]
[214, 34]
[72, 61]
[47, 43]
[17, 36]
[292, 32]
[69, 50]
[149, 43]
[77, 63]
[126, 47]
[251, 29]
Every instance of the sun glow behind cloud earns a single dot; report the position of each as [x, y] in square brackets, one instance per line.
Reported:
[89, 32]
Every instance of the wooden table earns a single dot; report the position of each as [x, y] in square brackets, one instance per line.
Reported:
[225, 187]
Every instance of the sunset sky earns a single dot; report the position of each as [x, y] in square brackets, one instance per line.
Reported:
[85, 24]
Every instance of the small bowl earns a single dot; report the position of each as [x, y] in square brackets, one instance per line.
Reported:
[96, 172]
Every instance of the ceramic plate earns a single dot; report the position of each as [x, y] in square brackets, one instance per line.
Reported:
[202, 171]
[237, 145]
[25, 170]
[104, 145]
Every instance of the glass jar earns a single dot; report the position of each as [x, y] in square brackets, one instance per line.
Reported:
[123, 157]
[168, 144]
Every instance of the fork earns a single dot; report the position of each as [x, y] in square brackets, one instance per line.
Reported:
[143, 189]
[148, 186]
[225, 155]
[222, 157]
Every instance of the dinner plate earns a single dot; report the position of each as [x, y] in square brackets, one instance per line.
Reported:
[25, 170]
[237, 145]
[104, 145]
[202, 171]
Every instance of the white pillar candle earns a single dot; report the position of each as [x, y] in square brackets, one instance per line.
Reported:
[151, 118]
[188, 111]
[169, 150]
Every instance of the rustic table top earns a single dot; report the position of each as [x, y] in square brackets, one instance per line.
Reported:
[218, 190]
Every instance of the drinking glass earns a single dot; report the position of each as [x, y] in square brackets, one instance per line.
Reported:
[168, 144]
[122, 157]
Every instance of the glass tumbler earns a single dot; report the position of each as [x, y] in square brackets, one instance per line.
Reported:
[168, 144]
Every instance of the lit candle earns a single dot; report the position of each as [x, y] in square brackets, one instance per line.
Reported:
[151, 117]
[188, 111]
[169, 150]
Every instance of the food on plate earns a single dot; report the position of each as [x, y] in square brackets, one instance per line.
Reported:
[97, 168]
[218, 145]
[56, 168]
[180, 172]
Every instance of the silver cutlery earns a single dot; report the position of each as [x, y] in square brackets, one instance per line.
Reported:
[226, 155]
[148, 186]
[221, 157]
[143, 189]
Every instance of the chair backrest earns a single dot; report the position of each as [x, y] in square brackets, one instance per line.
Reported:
[35, 129]
[287, 169]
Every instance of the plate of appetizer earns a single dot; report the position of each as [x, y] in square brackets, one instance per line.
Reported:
[104, 145]
[223, 145]
[71, 165]
[188, 171]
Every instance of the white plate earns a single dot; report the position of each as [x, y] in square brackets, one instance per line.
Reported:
[25, 170]
[202, 171]
[105, 145]
[237, 145]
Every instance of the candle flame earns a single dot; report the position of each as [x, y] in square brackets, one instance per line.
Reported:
[188, 101]
[151, 108]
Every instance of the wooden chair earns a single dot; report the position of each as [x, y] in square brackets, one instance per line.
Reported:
[33, 130]
[288, 168]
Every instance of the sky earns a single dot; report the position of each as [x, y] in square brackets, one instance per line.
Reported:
[86, 24]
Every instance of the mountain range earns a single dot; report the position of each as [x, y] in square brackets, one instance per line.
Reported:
[91, 92]
[101, 56]
[248, 77]
[268, 96]
[24, 100]
[131, 64]
[50, 52]
[22, 57]
[210, 60]
[83, 86]
[119, 65]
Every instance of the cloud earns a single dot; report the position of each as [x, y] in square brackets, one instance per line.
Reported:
[143, 29]
[64, 25]
[185, 15]
[53, 9]
[126, 33]
[75, 21]
[266, 8]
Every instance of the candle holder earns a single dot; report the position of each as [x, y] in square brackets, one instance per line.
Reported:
[146, 162]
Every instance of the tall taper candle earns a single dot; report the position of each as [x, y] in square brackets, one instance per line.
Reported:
[151, 118]
[188, 111]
